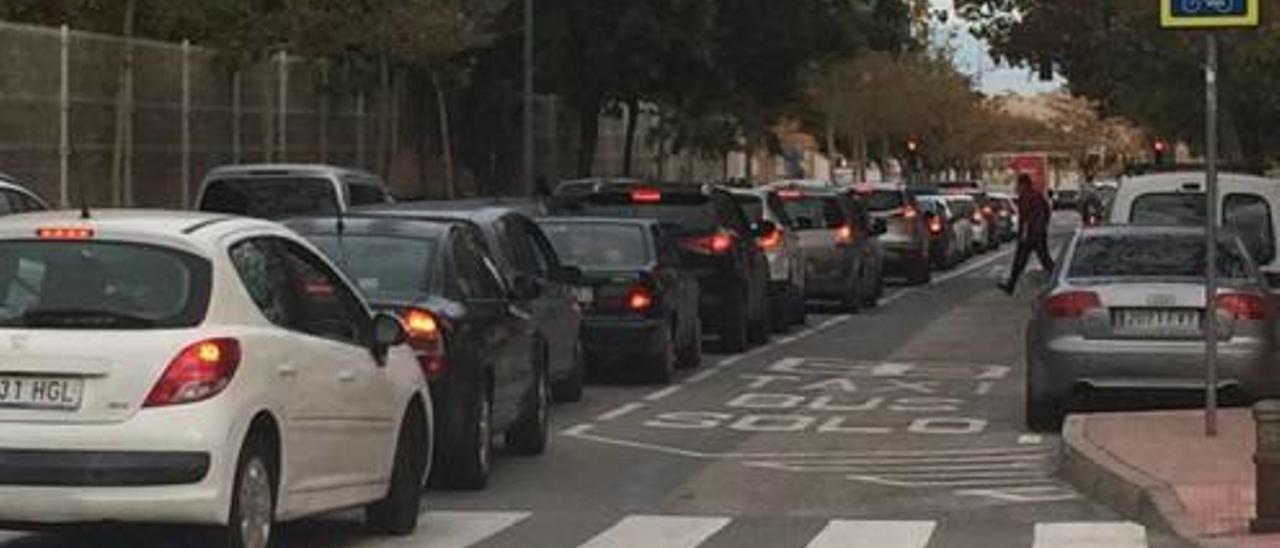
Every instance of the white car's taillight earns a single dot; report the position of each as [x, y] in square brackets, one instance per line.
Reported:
[427, 340]
[198, 373]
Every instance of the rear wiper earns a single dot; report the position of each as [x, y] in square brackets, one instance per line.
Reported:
[82, 319]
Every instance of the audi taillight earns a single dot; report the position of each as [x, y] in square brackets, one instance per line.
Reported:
[1244, 306]
[772, 240]
[639, 298]
[844, 235]
[427, 340]
[199, 372]
[717, 243]
[1072, 304]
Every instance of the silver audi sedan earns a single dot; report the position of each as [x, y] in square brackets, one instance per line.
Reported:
[1125, 310]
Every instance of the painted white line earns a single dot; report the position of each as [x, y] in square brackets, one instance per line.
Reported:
[873, 534]
[728, 362]
[984, 388]
[1035, 493]
[658, 532]
[576, 430]
[462, 529]
[890, 298]
[702, 376]
[977, 483]
[1030, 439]
[785, 340]
[664, 392]
[619, 411]
[1090, 535]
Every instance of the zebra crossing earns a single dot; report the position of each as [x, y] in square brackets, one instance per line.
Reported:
[476, 529]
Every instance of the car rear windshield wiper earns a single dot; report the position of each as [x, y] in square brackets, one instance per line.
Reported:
[80, 319]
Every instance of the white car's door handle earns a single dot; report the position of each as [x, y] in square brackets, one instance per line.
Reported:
[287, 371]
[347, 376]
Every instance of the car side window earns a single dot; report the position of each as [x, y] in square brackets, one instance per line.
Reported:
[360, 193]
[518, 248]
[731, 214]
[327, 307]
[31, 204]
[1250, 216]
[543, 254]
[10, 203]
[264, 278]
[476, 275]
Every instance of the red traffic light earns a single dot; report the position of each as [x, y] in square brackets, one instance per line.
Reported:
[912, 145]
[1159, 146]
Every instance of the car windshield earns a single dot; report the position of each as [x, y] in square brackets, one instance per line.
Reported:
[385, 268]
[882, 200]
[100, 285]
[690, 212]
[599, 246]
[270, 197]
[1153, 255]
[812, 212]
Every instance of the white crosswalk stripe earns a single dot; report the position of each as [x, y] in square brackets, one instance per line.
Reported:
[658, 532]
[873, 534]
[463, 529]
[479, 529]
[1090, 535]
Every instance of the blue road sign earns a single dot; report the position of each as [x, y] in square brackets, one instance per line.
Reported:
[1208, 13]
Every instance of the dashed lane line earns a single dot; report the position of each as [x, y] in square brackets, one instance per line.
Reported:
[619, 411]
[664, 392]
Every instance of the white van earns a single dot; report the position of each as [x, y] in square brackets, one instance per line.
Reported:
[276, 191]
[1247, 204]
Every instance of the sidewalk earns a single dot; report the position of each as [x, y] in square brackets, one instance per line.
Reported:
[1160, 469]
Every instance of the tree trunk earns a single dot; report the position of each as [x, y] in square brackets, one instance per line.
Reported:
[628, 152]
[446, 143]
[588, 133]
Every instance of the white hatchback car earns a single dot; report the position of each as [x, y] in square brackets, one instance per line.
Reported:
[192, 368]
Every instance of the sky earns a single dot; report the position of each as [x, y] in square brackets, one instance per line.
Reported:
[973, 59]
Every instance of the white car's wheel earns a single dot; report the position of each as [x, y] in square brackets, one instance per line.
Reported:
[253, 500]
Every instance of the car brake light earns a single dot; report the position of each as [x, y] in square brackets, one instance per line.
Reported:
[986, 210]
[935, 225]
[1071, 304]
[909, 212]
[427, 341]
[198, 373]
[718, 243]
[639, 298]
[844, 235]
[646, 195]
[1244, 306]
[977, 217]
[64, 233]
[790, 194]
[772, 240]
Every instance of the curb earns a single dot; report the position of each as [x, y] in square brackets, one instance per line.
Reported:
[1126, 489]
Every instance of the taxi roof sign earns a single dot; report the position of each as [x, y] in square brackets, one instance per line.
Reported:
[1209, 14]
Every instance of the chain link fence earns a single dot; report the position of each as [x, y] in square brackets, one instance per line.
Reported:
[95, 119]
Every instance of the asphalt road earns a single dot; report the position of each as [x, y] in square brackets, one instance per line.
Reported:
[899, 427]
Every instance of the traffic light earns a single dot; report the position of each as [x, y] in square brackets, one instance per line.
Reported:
[1158, 149]
[913, 146]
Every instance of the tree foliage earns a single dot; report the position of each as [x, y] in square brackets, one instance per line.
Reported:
[1113, 51]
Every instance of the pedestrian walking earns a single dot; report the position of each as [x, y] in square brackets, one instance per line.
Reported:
[1033, 231]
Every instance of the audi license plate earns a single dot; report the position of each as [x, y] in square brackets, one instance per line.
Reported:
[30, 392]
[1160, 318]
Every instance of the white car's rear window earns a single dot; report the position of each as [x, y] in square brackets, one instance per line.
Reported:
[100, 285]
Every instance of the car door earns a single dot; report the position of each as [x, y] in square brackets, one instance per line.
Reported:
[336, 325]
[508, 340]
[556, 305]
[307, 387]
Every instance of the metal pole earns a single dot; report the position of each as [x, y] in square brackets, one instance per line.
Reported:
[528, 177]
[64, 120]
[186, 123]
[282, 128]
[1211, 237]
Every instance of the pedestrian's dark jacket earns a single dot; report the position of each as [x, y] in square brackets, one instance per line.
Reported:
[1033, 214]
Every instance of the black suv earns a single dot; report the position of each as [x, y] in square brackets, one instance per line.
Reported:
[717, 244]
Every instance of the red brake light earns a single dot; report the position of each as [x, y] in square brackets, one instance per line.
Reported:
[986, 210]
[909, 212]
[935, 225]
[427, 341]
[772, 240]
[718, 243]
[639, 298]
[1244, 306]
[721, 242]
[844, 235]
[64, 233]
[198, 373]
[790, 194]
[1071, 304]
[646, 195]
